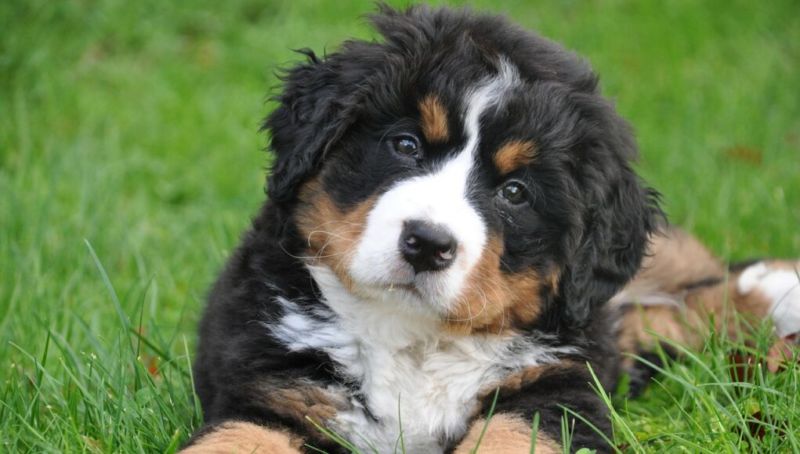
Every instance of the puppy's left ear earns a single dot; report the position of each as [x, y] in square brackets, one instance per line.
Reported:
[620, 215]
[314, 111]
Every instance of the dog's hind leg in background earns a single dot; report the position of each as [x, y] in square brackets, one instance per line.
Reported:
[682, 291]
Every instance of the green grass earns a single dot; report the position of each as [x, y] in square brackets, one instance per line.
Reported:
[130, 162]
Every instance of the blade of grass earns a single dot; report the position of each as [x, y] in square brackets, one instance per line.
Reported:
[486, 423]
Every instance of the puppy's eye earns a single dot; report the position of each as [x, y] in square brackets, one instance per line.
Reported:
[513, 192]
[406, 145]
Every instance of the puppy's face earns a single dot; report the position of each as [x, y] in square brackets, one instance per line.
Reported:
[458, 179]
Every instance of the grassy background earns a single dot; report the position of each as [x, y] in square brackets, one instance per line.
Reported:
[130, 162]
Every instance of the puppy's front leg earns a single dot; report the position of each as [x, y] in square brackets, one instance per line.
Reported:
[243, 437]
[505, 433]
[545, 390]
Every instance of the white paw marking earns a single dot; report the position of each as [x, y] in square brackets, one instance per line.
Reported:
[782, 287]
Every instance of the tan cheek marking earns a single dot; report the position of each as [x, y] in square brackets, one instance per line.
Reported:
[243, 437]
[434, 119]
[483, 302]
[513, 155]
[507, 434]
[526, 304]
[494, 301]
[331, 234]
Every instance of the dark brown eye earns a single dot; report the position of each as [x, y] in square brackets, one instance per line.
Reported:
[406, 145]
[513, 192]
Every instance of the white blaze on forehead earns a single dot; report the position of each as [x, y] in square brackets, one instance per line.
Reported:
[487, 95]
[439, 198]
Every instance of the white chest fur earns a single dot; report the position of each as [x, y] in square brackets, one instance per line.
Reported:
[412, 376]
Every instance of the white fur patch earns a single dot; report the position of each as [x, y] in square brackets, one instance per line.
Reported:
[410, 372]
[439, 198]
[782, 287]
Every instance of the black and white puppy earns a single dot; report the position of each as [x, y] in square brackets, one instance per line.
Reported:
[450, 209]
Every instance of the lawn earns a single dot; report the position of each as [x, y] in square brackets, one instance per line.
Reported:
[130, 162]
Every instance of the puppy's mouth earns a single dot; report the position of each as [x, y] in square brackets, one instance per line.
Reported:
[424, 288]
[402, 281]
[409, 287]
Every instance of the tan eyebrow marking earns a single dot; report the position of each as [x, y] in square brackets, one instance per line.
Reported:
[513, 155]
[434, 119]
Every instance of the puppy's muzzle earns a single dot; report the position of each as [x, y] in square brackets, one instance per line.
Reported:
[426, 246]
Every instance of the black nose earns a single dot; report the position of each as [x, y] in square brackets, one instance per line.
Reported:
[427, 247]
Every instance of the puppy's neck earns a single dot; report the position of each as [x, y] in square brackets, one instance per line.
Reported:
[392, 315]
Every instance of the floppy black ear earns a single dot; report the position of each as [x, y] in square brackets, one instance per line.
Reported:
[311, 116]
[620, 214]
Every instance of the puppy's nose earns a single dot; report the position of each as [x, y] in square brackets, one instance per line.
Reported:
[427, 247]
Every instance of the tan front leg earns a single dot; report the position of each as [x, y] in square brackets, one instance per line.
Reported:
[245, 437]
[505, 434]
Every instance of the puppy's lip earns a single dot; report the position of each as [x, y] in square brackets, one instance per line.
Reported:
[401, 286]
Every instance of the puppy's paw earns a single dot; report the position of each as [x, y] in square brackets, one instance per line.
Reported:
[506, 434]
[244, 437]
[779, 283]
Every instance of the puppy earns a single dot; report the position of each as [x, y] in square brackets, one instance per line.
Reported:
[452, 218]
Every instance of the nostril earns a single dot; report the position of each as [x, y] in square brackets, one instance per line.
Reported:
[446, 254]
[426, 246]
[412, 242]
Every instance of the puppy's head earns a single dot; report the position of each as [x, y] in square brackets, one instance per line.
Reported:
[461, 166]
